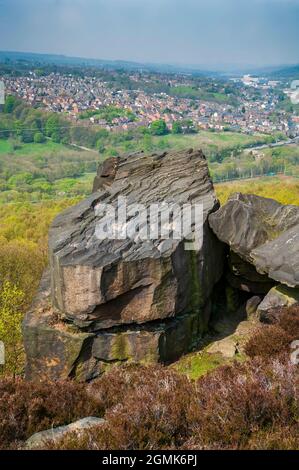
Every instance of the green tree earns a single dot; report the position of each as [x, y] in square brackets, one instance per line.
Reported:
[39, 138]
[19, 128]
[52, 125]
[159, 127]
[10, 327]
[20, 179]
[188, 126]
[177, 128]
[100, 146]
[10, 104]
[27, 136]
[56, 137]
[147, 142]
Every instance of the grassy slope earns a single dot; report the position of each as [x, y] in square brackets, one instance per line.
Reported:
[32, 149]
[205, 139]
[284, 189]
[209, 142]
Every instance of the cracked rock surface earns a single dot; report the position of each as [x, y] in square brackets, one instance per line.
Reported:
[125, 298]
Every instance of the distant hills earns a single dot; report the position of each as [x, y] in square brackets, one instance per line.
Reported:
[36, 59]
[30, 58]
[287, 72]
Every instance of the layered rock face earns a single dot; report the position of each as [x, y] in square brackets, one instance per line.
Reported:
[128, 297]
[263, 237]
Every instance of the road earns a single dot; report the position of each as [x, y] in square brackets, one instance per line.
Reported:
[280, 143]
[80, 147]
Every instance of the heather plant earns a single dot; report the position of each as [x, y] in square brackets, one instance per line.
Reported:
[248, 405]
[235, 402]
[276, 338]
[27, 407]
[268, 341]
[147, 407]
[288, 320]
[226, 409]
[278, 438]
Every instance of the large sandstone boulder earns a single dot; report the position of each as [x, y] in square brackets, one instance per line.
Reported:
[263, 233]
[126, 298]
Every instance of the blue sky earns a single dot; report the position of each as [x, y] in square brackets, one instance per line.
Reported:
[199, 32]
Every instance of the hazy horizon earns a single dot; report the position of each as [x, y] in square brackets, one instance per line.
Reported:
[213, 67]
[205, 34]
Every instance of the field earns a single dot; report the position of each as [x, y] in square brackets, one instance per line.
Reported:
[212, 143]
[32, 149]
[220, 140]
[50, 170]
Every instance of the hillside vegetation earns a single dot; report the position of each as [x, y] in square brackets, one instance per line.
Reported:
[284, 189]
[23, 257]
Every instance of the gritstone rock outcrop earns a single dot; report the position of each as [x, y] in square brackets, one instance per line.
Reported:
[263, 237]
[107, 301]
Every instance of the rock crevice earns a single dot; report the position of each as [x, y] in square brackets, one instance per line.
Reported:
[263, 238]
